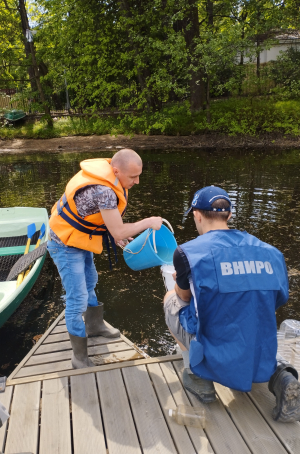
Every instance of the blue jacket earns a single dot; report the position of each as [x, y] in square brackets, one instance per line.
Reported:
[239, 282]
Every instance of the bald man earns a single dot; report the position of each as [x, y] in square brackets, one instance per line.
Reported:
[88, 215]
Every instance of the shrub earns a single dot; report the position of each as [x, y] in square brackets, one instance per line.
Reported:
[285, 72]
[236, 116]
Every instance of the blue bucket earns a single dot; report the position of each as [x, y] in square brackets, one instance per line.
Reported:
[151, 248]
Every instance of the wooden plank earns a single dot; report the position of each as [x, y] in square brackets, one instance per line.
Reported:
[288, 434]
[67, 354]
[66, 345]
[128, 341]
[60, 334]
[66, 365]
[198, 436]
[41, 340]
[118, 422]
[51, 348]
[74, 372]
[24, 420]
[5, 399]
[56, 338]
[153, 431]
[55, 421]
[88, 436]
[221, 431]
[254, 429]
[61, 337]
[59, 329]
[44, 369]
[179, 433]
[128, 355]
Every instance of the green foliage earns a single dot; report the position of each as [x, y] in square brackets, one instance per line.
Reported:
[231, 117]
[12, 58]
[285, 72]
[144, 53]
[114, 53]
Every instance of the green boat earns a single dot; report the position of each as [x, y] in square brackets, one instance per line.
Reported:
[14, 115]
[13, 239]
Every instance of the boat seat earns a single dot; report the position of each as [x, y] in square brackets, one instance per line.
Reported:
[6, 264]
[11, 249]
[18, 240]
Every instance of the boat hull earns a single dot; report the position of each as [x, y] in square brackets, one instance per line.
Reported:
[13, 228]
[15, 303]
[15, 115]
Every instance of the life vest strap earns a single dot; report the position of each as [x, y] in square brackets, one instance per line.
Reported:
[59, 207]
[107, 237]
[125, 195]
[80, 227]
[82, 221]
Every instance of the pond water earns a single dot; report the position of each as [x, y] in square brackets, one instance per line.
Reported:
[264, 188]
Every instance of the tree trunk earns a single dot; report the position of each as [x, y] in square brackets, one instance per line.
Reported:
[142, 73]
[258, 68]
[210, 13]
[210, 20]
[208, 116]
[25, 26]
[30, 47]
[258, 62]
[242, 20]
[241, 65]
[191, 33]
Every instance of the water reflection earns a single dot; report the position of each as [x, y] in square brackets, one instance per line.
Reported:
[265, 191]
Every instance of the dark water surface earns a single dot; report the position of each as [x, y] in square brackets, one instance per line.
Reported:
[265, 190]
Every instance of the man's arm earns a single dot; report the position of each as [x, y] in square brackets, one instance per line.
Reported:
[113, 221]
[182, 267]
[185, 295]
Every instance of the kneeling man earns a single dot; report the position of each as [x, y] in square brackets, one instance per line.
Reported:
[222, 312]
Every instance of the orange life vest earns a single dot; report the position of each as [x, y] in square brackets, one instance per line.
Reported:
[86, 233]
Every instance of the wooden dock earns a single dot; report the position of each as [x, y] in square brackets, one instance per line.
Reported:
[121, 406]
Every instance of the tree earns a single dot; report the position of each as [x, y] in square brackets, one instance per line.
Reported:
[139, 53]
[192, 35]
[31, 50]
[12, 69]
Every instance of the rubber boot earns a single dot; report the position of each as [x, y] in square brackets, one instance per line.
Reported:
[203, 389]
[80, 357]
[285, 386]
[94, 324]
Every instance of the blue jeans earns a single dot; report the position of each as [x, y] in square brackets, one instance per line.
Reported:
[79, 277]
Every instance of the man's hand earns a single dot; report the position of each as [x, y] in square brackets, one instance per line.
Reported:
[156, 222]
[113, 221]
[124, 242]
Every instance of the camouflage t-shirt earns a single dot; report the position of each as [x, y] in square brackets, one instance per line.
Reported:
[90, 200]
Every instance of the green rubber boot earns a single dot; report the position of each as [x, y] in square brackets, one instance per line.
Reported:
[80, 359]
[285, 386]
[203, 389]
[95, 325]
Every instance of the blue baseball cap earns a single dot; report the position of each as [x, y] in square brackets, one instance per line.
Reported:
[205, 197]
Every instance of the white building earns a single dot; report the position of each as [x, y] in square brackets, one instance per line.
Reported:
[284, 43]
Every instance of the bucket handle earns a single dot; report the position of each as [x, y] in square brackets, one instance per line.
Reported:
[170, 227]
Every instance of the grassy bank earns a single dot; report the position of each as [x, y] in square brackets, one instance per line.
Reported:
[233, 117]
